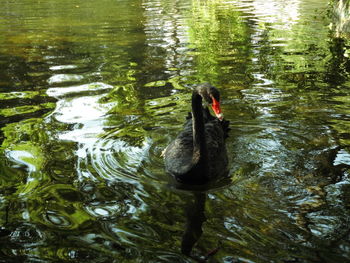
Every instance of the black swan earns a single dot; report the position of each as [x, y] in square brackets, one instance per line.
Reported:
[198, 154]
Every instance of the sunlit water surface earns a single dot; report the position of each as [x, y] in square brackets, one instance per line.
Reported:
[91, 92]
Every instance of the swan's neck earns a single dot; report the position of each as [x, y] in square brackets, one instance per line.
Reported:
[200, 152]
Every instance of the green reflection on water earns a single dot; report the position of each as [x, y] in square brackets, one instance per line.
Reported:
[92, 91]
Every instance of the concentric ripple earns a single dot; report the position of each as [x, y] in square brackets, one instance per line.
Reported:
[114, 157]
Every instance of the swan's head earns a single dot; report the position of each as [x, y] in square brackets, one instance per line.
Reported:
[211, 95]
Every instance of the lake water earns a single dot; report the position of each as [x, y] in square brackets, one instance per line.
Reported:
[91, 92]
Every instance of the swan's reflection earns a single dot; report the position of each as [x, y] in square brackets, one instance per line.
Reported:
[193, 231]
[195, 218]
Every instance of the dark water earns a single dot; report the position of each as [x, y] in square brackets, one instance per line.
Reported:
[91, 92]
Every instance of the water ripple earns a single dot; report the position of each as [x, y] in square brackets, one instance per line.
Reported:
[54, 218]
[112, 157]
[27, 233]
[62, 78]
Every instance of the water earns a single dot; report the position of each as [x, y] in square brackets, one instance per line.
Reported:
[91, 92]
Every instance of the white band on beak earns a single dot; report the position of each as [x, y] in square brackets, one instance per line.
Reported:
[220, 116]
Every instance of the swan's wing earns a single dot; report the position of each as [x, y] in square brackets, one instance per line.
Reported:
[178, 154]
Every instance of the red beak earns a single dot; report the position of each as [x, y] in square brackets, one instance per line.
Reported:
[216, 108]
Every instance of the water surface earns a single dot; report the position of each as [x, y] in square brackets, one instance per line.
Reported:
[91, 92]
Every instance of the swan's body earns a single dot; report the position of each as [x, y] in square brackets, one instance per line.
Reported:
[198, 153]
